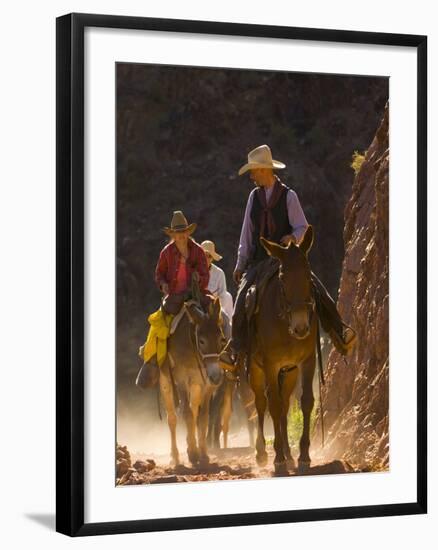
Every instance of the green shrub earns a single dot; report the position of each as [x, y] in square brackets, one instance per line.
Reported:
[357, 161]
[295, 423]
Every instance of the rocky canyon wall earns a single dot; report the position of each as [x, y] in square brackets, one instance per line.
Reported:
[355, 397]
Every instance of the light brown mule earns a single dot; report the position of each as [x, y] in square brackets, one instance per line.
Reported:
[189, 376]
[221, 409]
[284, 346]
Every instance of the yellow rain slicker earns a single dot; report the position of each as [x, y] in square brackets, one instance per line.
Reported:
[156, 342]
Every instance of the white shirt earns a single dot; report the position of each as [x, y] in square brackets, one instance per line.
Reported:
[296, 216]
[217, 286]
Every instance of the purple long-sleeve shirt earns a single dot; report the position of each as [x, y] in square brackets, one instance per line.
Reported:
[296, 216]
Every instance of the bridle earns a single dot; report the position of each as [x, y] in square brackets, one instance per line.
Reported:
[200, 356]
[287, 308]
[204, 356]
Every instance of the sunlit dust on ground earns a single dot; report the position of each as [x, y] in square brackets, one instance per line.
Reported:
[236, 462]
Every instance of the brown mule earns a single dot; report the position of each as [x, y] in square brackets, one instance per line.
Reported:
[221, 409]
[284, 347]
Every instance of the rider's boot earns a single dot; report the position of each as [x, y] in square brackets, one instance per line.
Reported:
[148, 374]
[344, 342]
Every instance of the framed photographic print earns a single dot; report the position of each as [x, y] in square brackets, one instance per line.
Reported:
[241, 274]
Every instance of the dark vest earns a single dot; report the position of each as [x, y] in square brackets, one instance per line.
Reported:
[281, 218]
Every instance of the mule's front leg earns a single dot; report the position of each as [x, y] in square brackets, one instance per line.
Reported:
[257, 380]
[276, 411]
[287, 386]
[169, 402]
[203, 427]
[248, 401]
[191, 411]
[227, 409]
[307, 402]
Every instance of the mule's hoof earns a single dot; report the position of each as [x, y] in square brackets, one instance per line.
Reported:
[262, 459]
[303, 466]
[193, 457]
[204, 460]
[280, 469]
[175, 462]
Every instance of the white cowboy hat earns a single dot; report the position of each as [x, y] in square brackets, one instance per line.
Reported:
[210, 248]
[261, 157]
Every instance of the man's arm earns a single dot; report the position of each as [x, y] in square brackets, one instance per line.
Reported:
[245, 242]
[297, 219]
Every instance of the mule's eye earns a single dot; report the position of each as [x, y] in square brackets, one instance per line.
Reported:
[202, 341]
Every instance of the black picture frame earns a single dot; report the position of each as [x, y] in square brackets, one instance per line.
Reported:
[70, 273]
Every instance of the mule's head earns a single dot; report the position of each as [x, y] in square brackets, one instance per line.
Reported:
[297, 299]
[209, 338]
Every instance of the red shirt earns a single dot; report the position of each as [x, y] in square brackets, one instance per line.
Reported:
[168, 263]
[181, 277]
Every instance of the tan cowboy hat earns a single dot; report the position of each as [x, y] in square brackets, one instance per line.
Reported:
[179, 223]
[261, 157]
[210, 248]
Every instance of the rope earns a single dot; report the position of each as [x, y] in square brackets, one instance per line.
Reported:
[198, 358]
[158, 402]
[321, 380]
[318, 350]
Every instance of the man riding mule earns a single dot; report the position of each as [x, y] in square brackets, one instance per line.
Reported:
[273, 211]
[277, 331]
[184, 356]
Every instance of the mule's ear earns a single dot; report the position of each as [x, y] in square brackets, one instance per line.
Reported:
[195, 314]
[214, 309]
[273, 249]
[307, 241]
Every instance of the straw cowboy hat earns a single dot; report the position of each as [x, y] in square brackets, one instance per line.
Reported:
[261, 157]
[210, 248]
[178, 224]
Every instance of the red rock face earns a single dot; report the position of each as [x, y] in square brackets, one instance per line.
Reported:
[355, 397]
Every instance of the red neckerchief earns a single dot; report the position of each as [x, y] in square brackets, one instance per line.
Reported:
[266, 217]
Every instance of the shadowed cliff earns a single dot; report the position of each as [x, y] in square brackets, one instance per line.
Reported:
[355, 397]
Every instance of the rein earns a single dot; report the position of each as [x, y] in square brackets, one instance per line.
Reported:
[321, 379]
[199, 361]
